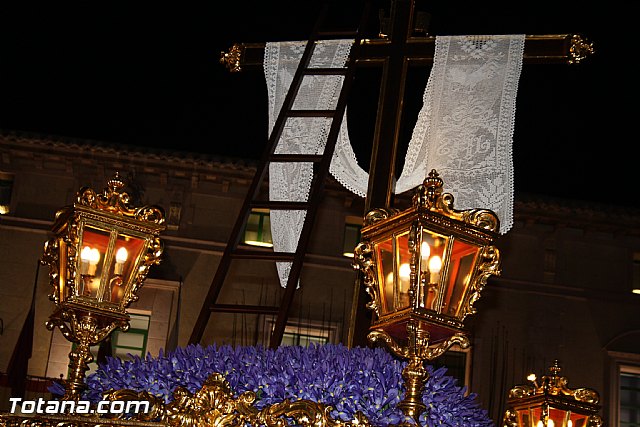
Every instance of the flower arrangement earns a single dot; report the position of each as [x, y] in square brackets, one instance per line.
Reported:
[349, 380]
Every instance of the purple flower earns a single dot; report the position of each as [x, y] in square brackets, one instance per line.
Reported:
[349, 380]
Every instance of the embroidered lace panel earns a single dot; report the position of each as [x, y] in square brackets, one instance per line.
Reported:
[465, 127]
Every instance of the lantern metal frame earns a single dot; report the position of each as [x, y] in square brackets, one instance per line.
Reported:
[416, 330]
[84, 318]
[549, 399]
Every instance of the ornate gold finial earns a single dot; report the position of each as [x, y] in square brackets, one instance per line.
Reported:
[116, 201]
[555, 369]
[115, 184]
[579, 49]
[433, 181]
[231, 59]
[429, 191]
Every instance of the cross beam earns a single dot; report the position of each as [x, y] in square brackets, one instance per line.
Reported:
[395, 53]
[538, 49]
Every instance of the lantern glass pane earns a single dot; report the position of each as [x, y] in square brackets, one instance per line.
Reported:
[432, 249]
[577, 420]
[404, 272]
[127, 252]
[93, 247]
[558, 417]
[461, 266]
[535, 416]
[524, 419]
[384, 259]
[564, 418]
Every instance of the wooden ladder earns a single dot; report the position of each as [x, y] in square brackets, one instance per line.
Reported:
[321, 171]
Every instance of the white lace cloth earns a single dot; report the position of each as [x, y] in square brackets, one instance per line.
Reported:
[292, 181]
[464, 129]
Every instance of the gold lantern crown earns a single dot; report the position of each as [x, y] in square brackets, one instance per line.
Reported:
[551, 403]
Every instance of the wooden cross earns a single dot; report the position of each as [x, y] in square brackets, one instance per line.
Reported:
[395, 52]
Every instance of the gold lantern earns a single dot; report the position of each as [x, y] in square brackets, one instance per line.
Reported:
[98, 257]
[552, 404]
[424, 268]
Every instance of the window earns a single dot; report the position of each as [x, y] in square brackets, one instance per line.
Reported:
[457, 361]
[352, 228]
[134, 341]
[629, 396]
[258, 229]
[123, 344]
[302, 332]
[622, 408]
[173, 219]
[303, 339]
[6, 185]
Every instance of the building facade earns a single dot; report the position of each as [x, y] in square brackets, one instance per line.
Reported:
[565, 292]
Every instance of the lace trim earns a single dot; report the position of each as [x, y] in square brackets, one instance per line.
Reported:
[344, 165]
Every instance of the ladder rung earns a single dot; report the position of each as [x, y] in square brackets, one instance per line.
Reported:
[311, 113]
[280, 205]
[241, 308]
[286, 158]
[262, 254]
[326, 71]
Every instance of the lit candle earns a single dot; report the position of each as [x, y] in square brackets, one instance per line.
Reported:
[404, 274]
[435, 264]
[121, 258]
[388, 291]
[403, 287]
[425, 251]
[89, 261]
[85, 254]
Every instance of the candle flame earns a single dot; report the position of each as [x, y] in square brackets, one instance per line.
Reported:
[405, 271]
[122, 255]
[435, 264]
[425, 250]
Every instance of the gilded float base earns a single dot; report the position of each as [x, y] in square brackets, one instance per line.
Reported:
[213, 405]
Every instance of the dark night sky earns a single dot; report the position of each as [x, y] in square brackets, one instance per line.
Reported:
[149, 75]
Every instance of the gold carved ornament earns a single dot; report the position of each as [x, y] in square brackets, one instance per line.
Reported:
[232, 59]
[553, 390]
[579, 49]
